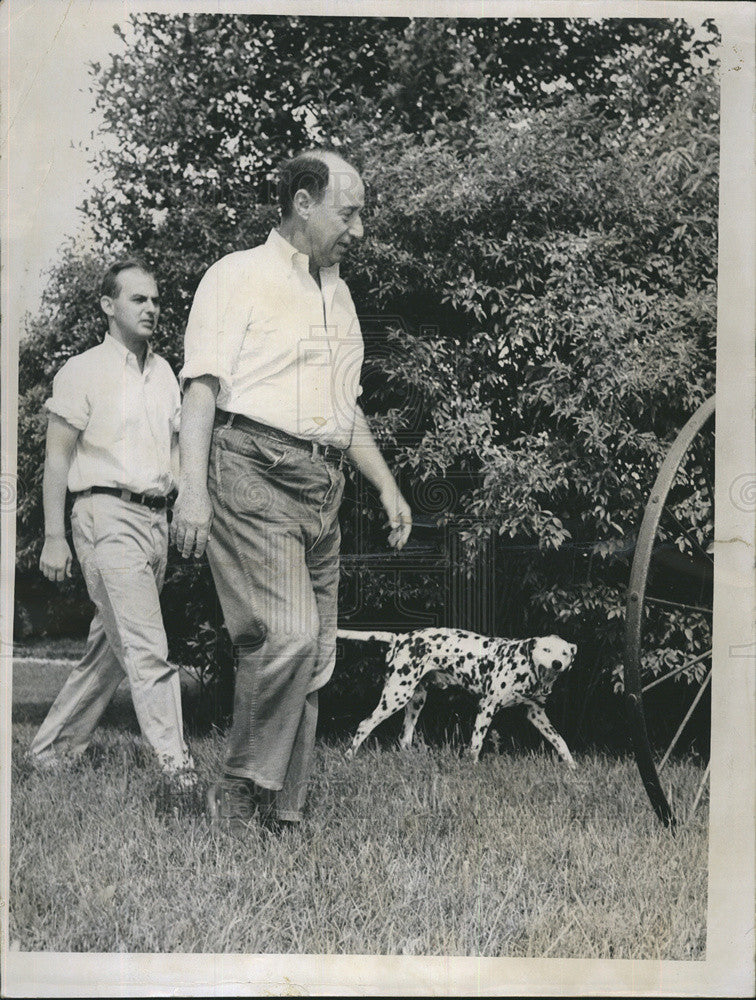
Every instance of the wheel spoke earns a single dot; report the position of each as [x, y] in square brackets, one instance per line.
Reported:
[678, 604]
[676, 671]
[699, 793]
[682, 725]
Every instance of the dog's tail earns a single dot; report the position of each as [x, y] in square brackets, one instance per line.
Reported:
[343, 633]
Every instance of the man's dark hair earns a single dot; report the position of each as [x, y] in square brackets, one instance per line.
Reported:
[110, 285]
[303, 171]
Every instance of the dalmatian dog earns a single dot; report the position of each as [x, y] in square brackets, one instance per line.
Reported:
[502, 672]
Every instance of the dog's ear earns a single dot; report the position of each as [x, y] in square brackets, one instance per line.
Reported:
[528, 650]
[543, 673]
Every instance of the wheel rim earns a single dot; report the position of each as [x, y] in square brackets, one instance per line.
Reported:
[638, 606]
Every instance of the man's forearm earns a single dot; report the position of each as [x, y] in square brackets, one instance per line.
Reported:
[54, 486]
[364, 454]
[175, 463]
[197, 416]
[193, 512]
[60, 442]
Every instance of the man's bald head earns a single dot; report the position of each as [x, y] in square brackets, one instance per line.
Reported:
[311, 171]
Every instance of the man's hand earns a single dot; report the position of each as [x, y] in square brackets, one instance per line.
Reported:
[55, 561]
[192, 517]
[399, 516]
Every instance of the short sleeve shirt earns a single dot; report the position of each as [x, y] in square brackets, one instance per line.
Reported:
[285, 352]
[128, 418]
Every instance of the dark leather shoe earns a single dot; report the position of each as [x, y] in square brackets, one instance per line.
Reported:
[231, 802]
[236, 802]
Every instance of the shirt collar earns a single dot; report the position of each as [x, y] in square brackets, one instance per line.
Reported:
[293, 257]
[122, 352]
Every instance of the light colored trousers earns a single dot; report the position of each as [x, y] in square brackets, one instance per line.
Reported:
[122, 548]
[274, 555]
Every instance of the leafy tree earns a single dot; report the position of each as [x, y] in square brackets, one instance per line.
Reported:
[572, 338]
[537, 278]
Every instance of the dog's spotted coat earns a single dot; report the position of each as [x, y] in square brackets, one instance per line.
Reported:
[502, 672]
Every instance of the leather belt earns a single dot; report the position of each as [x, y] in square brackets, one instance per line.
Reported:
[328, 452]
[144, 499]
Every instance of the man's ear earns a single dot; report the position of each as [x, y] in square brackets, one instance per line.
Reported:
[106, 304]
[302, 202]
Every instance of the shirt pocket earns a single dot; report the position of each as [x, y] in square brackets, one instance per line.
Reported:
[110, 422]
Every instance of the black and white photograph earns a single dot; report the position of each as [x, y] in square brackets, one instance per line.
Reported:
[377, 495]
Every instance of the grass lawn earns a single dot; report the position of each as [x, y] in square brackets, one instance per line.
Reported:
[402, 852]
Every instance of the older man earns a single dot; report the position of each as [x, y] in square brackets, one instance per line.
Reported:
[271, 380]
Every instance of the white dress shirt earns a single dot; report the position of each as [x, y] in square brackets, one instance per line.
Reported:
[127, 418]
[286, 352]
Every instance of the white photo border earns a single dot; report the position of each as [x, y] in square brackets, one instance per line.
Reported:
[728, 967]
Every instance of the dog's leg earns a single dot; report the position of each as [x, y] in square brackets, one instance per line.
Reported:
[396, 693]
[482, 723]
[411, 713]
[541, 721]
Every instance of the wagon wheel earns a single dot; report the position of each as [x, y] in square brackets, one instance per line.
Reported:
[668, 623]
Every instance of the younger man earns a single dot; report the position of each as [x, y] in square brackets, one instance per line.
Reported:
[111, 437]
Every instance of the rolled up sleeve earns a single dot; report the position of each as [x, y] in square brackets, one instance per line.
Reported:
[70, 399]
[215, 328]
